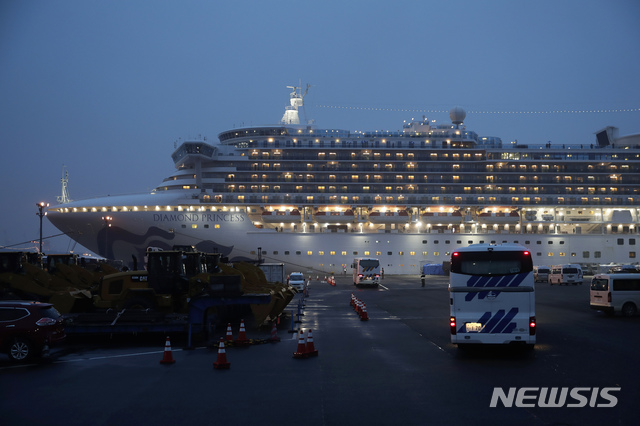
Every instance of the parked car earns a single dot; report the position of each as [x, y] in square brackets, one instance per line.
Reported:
[624, 269]
[541, 274]
[28, 328]
[297, 281]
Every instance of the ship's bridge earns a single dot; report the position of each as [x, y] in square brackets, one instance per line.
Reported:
[190, 153]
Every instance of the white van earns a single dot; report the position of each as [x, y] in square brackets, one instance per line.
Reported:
[297, 281]
[613, 293]
[541, 273]
[565, 274]
[492, 295]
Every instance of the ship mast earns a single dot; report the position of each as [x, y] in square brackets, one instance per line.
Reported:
[64, 198]
[296, 100]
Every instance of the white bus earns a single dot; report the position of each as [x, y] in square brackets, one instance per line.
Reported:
[565, 274]
[366, 272]
[613, 293]
[492, 295]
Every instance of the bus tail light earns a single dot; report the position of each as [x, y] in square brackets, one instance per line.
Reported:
[532, 326]
[452, 325]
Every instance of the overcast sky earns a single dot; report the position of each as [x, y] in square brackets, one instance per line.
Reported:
[106, 87]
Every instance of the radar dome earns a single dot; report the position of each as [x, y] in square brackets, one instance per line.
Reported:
[457, 115]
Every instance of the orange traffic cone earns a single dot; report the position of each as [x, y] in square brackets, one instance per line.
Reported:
[242, 336]
[311, 350]
[221, 363]
[167, 358]
[274, 333]
[363, 313]
[229, 333]
[302, 347]
[353, 300]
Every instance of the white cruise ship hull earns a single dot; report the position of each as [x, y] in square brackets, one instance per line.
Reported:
[229, 230]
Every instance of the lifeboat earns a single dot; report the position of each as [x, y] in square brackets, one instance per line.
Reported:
[389, 217]
[442, 217]
[584, 216]
[278, 216]
[346, 216]
[513, 217]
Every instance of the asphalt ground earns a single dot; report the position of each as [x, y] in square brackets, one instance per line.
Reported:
[398, 367]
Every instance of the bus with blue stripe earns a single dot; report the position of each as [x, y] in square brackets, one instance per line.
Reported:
[492, 295]
[366, 272]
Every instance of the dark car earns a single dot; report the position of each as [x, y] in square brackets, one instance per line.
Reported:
[27, 328]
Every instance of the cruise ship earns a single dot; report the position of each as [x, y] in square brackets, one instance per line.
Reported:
[315, 198]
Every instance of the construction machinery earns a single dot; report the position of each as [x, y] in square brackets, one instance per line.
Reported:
[176, 283]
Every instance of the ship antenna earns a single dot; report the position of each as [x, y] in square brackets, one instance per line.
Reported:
[304, 110]
[64, 197]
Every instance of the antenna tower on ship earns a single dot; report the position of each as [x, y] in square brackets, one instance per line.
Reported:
[64, 198]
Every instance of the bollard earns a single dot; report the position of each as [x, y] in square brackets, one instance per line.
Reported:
[292, 330]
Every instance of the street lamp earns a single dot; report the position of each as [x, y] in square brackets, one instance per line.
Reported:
[107, 224]
[41, 206]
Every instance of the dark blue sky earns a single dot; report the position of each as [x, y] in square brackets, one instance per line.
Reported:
[106, 87]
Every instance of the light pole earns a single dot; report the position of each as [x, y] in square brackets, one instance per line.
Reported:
[41, 206]
[107, 224]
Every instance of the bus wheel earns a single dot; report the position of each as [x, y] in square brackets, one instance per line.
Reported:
[629, 309]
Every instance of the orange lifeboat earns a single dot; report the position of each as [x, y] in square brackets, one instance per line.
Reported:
[441, 217]
[512, 217]
[278, 216]
[389, 217]
[346, 216]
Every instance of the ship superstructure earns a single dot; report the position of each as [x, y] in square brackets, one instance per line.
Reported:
[316, 198]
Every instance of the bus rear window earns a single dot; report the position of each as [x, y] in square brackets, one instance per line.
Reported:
[491, 263]
[600, 284]
[369, 263]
